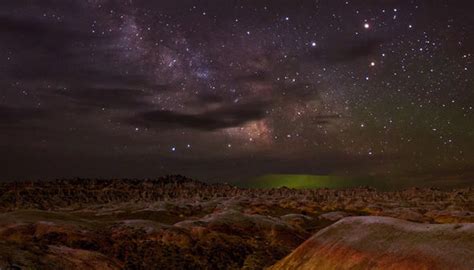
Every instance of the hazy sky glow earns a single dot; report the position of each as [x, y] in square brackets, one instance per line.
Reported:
[234, 89]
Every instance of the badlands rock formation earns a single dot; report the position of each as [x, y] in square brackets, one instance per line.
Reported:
[177, 223]
[385, 243]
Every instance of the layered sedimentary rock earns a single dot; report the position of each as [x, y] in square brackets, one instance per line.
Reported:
[385, 243]
[178, 223]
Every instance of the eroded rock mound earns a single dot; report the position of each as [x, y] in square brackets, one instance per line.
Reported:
[178, 223]
[385, 243]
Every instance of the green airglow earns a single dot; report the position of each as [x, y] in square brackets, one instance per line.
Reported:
[301, 181]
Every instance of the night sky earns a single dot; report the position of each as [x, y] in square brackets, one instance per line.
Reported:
[228, 90]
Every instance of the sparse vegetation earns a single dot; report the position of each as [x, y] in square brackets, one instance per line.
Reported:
[178, 223]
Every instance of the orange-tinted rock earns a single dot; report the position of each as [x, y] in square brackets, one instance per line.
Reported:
[385, 243]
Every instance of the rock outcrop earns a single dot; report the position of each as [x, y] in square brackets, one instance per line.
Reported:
[178, 223]
[385, 243]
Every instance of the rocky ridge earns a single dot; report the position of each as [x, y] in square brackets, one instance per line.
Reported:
[178, 223]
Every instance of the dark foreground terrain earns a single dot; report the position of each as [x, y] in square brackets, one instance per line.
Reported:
[178, 223]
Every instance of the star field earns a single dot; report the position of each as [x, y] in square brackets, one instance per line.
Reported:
[236, 89]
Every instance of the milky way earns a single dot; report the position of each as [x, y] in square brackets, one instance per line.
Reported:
[230, 90]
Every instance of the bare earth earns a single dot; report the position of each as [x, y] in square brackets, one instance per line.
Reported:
[177, 223]
[385, 243]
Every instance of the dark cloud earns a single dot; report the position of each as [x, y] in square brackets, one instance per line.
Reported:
[34, 29]
[223, 117]
[300, 91]
[257, 76]
[209, 98]
[109, 98]
[63, 49]
[326, 119]
[13, 116]
[345, 50]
